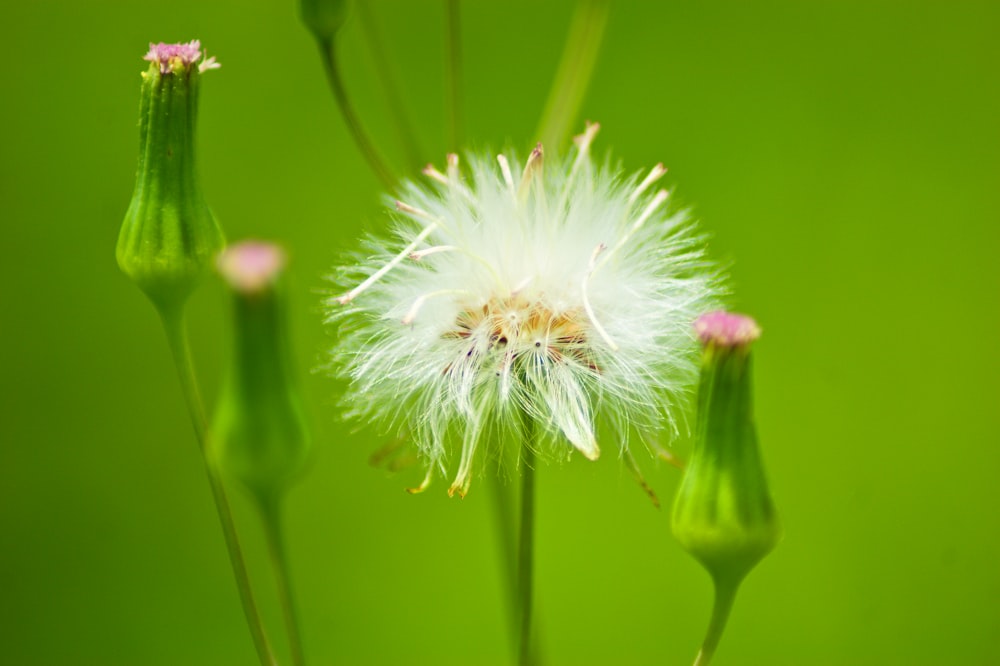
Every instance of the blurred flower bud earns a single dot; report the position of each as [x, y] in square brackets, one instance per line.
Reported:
[324, 18]
[259, 435]
[169, 237]
[723, 513]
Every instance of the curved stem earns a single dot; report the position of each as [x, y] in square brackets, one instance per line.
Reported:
[270, 512]
[725, 594]
[525, 550]
[575, 68]
[454, 78]
[173, 326]
[403, 126]
[328, 53]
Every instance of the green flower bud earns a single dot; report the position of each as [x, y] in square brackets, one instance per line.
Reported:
[169, 238]
[259, 435]
[324, 18]
[723, 514]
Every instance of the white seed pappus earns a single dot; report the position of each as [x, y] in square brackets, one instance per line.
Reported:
[561, 294]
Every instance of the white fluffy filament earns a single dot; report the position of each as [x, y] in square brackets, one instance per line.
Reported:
[374, 277]
[657, 201]
[420, 254]
[414, 310]
[531, 168]
[507, 177]
[431, 172]
[655, 174]
[587, 307]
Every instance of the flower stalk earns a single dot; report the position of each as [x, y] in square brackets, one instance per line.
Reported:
[259, 434]
[331, 66]
[453, 80]
[167, 243]
[394, 99]
[180, 348]
[526, 547]
[324, 19]
[576, 65]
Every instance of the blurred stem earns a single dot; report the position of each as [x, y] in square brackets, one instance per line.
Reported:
[328, 53]
[526, 543]
[270, 513]
[725, 594]
[505, 530]
[506, 533]
[176, 331]
[575, 68]
[404, 129]
[453, 28]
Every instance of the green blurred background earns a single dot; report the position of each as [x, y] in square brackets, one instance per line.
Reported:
[844, 156]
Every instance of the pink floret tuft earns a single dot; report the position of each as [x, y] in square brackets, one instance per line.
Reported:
[167, 55]
[250, 266]
[726, 329]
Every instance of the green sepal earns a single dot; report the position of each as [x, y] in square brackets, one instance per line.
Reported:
[259, 435]
[324, 18]
[723, 514]
[169, 238]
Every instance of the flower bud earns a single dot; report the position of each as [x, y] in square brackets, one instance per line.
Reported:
[259, 435]
[169, 237]
[723, 514]
[324, 18]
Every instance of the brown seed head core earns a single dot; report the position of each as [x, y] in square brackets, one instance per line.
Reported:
[517, 328]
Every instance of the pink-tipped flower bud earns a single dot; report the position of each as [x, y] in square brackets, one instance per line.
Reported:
[259, 435]
[723, 514]
[169, 238]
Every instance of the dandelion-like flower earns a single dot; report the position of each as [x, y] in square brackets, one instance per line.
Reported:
[561, 296]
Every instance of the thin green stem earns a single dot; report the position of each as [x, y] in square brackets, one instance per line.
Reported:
[328, 53]
[270, 512]
[404, 128]
[526, 550]
[506, 535]
[503, 522]
[575, 69]
[725, 594]
[176, 331]
[453, 27]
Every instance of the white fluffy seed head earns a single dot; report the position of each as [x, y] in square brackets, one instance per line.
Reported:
[564, 299]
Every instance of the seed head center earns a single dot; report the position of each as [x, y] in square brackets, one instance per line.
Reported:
[517, 328]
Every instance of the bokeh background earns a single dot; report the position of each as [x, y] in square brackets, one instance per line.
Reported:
[844, 157]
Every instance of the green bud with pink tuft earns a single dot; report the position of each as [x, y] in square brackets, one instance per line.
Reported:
[169, 238]
[723, 514]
